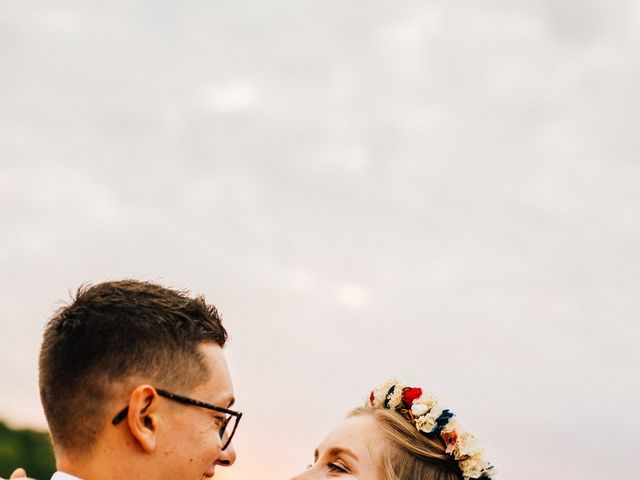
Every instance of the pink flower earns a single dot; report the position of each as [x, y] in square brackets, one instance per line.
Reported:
[450, 438]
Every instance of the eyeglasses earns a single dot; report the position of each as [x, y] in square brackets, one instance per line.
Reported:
[229, 424]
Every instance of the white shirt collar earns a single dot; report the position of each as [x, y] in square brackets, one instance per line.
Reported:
[63, 476]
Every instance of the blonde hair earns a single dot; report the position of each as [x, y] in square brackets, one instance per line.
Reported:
[409, 455]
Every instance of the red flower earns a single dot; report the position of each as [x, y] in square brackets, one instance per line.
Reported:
[409, 395]
[372, 397]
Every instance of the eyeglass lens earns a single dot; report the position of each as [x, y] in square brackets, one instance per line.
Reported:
[227, 430]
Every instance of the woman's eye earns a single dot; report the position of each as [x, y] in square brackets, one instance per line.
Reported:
[334, 467]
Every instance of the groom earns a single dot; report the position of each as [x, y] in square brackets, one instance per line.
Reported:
[134, 384]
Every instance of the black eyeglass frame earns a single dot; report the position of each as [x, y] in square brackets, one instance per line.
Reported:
[197, 403]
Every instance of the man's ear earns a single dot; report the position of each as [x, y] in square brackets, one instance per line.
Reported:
[142, 417]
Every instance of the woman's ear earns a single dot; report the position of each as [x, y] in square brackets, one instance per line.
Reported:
[142, 417]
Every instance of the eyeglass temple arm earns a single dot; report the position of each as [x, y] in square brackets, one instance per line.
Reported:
[120, 416]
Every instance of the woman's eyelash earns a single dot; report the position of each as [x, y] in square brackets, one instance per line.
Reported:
[333, 467]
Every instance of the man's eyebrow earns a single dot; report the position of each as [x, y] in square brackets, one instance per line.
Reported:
[223, 402]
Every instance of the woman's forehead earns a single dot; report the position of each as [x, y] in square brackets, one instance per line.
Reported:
[359, 433]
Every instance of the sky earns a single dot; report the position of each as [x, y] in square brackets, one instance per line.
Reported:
[447, 192]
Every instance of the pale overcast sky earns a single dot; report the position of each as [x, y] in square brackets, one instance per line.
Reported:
[443, 191]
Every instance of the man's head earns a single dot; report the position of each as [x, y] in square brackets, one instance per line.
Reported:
[113, 346]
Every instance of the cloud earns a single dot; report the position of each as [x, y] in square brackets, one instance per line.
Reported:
[232, 97]
[354, 295]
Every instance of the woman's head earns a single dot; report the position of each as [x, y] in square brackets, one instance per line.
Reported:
[405, 453]
[376, 444]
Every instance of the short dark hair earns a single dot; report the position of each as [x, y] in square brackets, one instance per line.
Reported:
[110, 332]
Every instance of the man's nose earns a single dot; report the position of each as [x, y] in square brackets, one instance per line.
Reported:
[227, 456]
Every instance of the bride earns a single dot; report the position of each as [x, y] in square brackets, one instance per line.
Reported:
[403, 433]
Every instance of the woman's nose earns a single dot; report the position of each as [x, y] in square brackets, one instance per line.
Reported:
[304, 475]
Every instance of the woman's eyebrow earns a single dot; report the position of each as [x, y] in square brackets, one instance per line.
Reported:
[335, 451]
[342, 451]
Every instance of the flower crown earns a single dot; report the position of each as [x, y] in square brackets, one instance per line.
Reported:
[422, 410]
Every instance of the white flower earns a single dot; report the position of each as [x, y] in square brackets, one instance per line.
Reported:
[473, 466]
[425, 423]
[395, 399]
[455, 425]
[419, 409]
[380, 393]
[467, 444]
[436, 411]
[427, 399]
